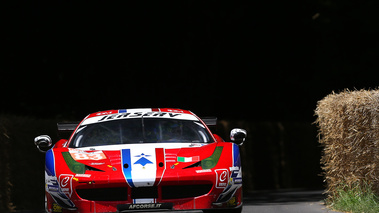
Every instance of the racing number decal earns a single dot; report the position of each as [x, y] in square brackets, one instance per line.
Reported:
[81, 155]
[88, 156]
[222, 178]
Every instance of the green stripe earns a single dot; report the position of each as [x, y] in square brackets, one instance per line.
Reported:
[180, 159]
[74, 166]
[211, 162]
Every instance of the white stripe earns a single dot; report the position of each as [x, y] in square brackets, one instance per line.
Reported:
[144, 166]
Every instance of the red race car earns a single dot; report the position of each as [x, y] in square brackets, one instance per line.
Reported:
[143, 159]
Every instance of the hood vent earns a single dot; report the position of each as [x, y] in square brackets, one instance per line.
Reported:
[90, 168]
[197, 164]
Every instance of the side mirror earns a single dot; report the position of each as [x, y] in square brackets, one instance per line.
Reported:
[238, 135]
[43, 143]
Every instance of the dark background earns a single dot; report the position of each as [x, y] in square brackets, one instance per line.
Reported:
[257, 60]
[260, 65]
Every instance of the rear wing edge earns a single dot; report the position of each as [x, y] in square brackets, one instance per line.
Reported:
[210, 121]
[67, 126]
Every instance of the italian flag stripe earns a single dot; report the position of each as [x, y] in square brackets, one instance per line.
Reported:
[188, 159]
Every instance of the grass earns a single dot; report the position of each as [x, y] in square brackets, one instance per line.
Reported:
[359, 199]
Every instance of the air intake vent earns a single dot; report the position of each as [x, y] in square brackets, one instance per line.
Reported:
[104, 194]
[185, 191]
[145, 192]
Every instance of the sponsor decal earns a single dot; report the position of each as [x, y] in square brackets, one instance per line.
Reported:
[106, 112]
[56, 208]
[236, 176]
[188, 159]
[174, 110]
[145, 206]
[83, 175]
[203, 171]
[139, 114]
[65, 182]
[222, 178]
[52, 188]
[146, 113]
[196, 145]
[142, 206]
[232, 202]
[96, 164]
[51, 183]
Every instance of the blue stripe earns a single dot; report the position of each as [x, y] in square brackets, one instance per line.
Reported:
[125, 153]
[236, 156]
[49, 163]
[121, 110]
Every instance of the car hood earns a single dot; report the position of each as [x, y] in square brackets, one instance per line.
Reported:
[141, 164]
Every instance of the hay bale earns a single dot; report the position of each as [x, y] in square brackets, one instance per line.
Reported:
[349, 132]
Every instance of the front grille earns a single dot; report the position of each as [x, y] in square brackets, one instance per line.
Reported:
[185, 191]
[144, 192]
[104, 194]
[121, 193]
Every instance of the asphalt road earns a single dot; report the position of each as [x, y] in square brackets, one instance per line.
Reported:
[291, 201]
[283, 201]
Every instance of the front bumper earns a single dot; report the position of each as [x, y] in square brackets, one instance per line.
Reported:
[188, 195]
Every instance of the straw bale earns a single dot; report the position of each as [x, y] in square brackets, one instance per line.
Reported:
[349, 132]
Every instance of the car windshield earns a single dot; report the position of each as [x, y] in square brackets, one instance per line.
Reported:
[140, 130]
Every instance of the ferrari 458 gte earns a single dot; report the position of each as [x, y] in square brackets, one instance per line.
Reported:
[142, 160]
